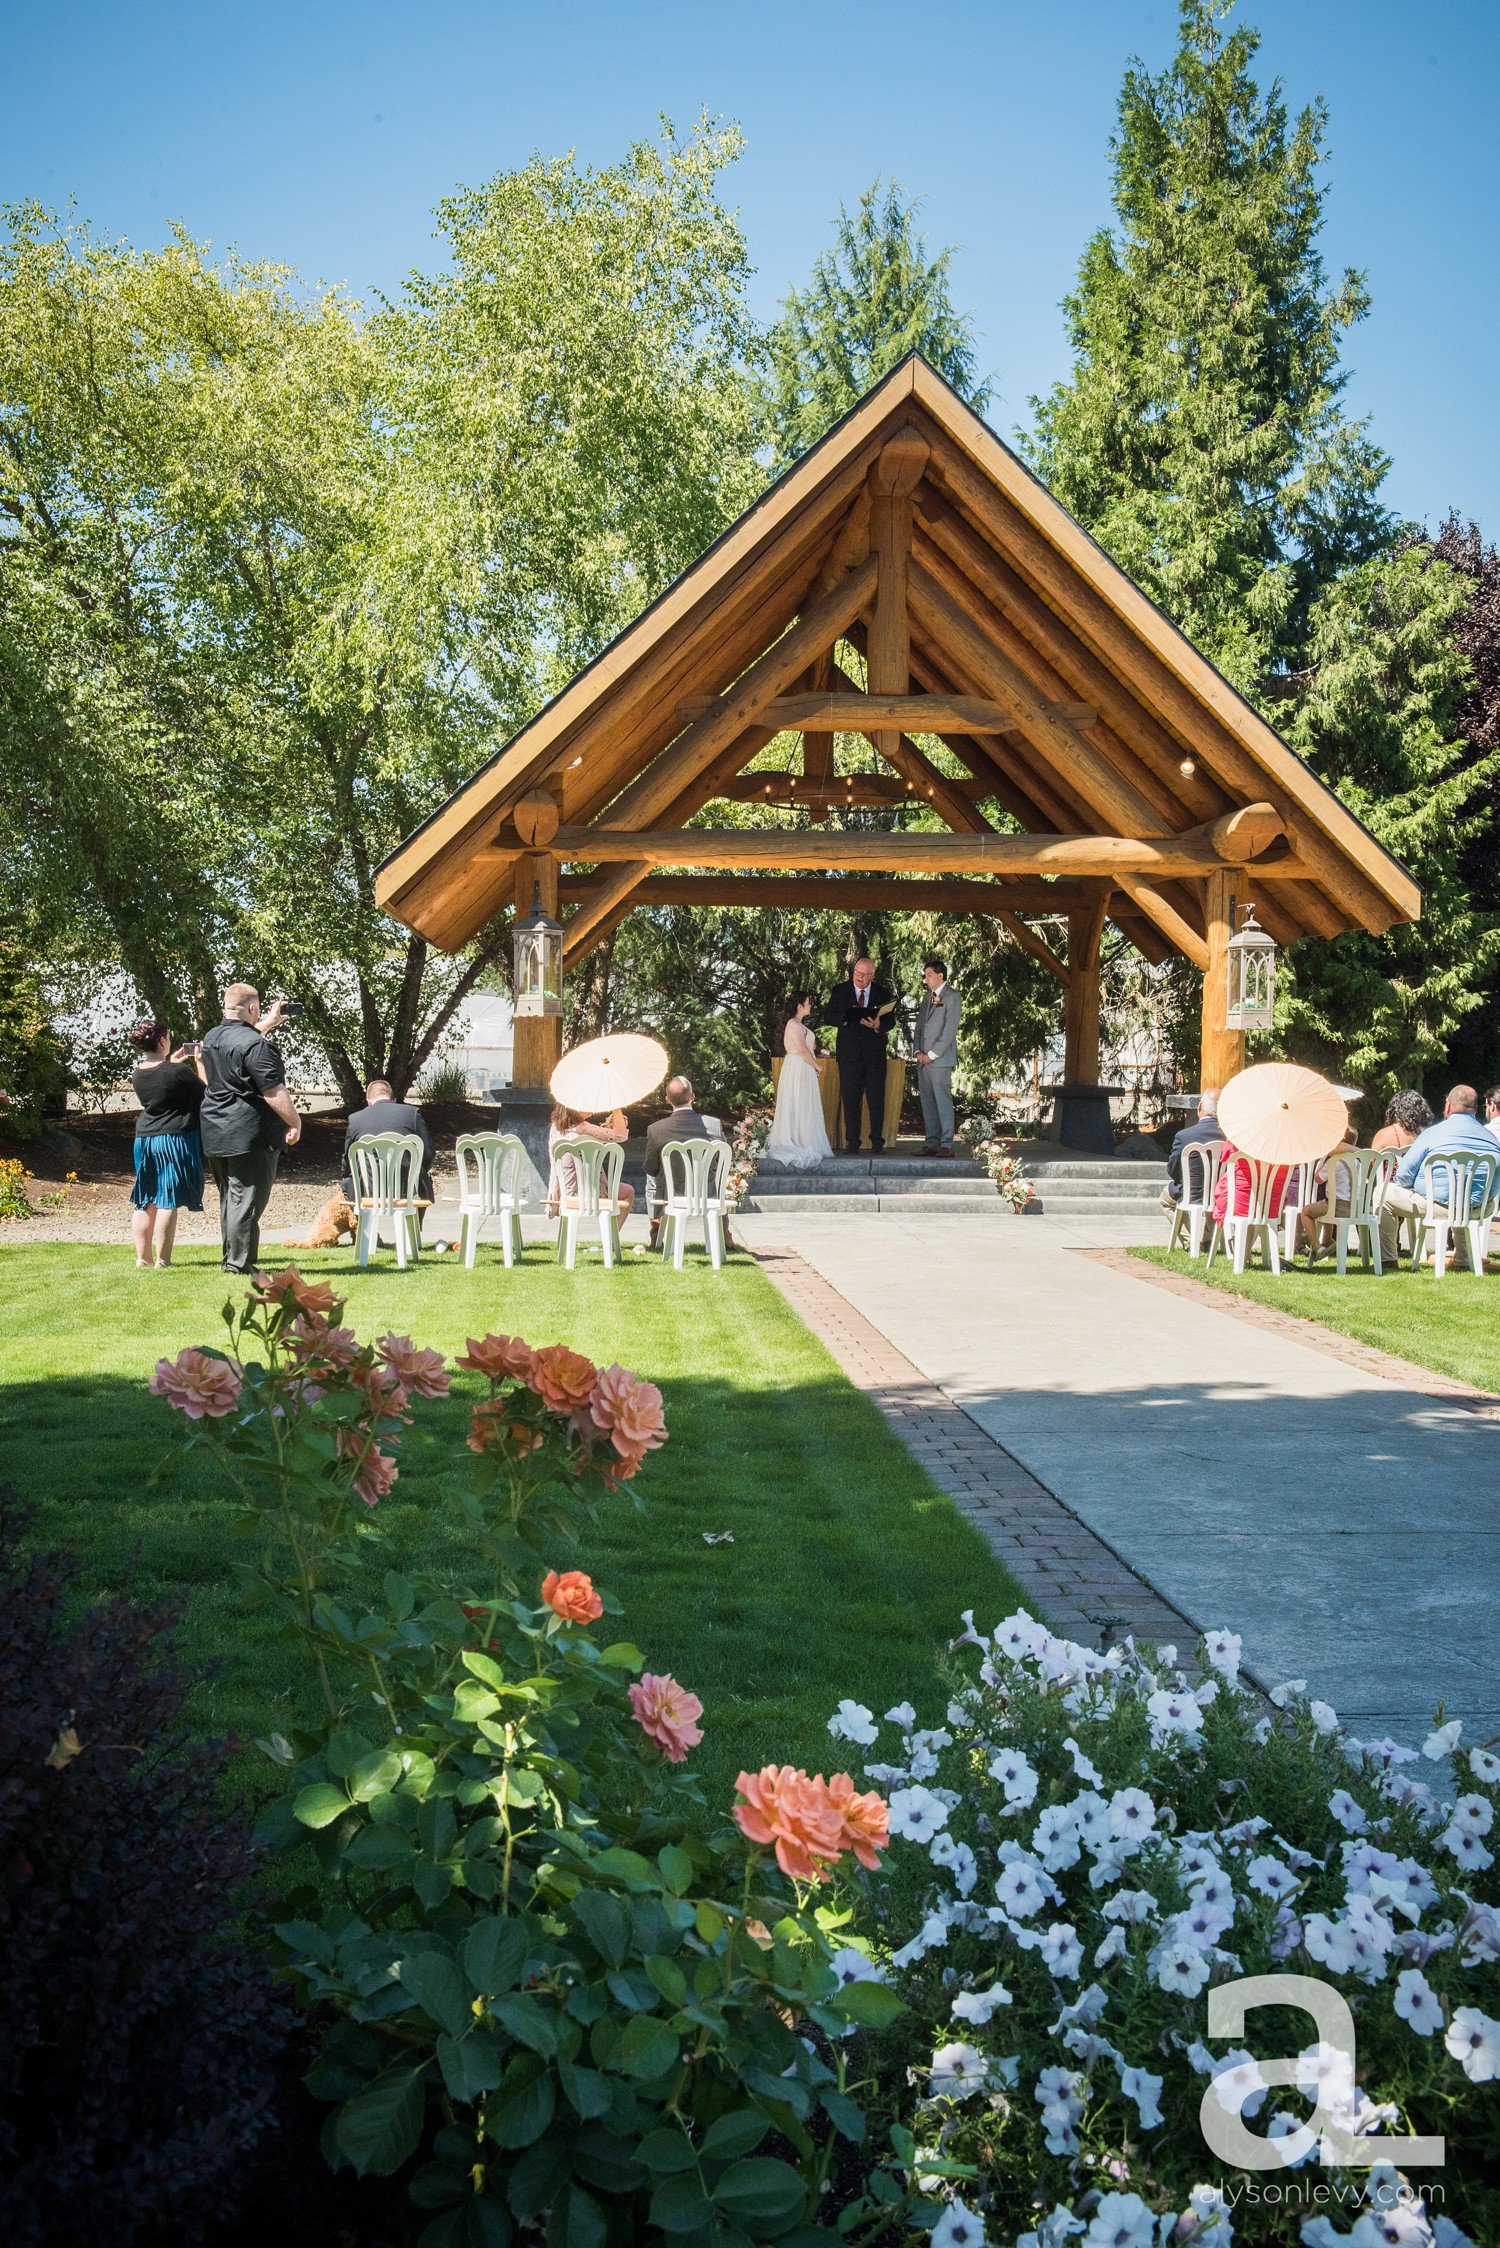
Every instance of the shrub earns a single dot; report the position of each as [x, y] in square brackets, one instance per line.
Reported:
[33, 1064]
[553, 1993]
[444, 1082]
[138, 2037]
[1107, 1842]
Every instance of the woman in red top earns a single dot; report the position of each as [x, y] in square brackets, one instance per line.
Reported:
[1235, 1168]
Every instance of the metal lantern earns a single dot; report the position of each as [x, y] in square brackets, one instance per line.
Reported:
[1252, 976]
[537, 946]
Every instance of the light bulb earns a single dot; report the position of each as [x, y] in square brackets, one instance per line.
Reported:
[1187, 768]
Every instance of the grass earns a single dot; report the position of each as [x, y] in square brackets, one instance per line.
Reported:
[848, 1567]
[1448, 1325]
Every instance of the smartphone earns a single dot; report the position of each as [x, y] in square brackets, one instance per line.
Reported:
[290, 1009]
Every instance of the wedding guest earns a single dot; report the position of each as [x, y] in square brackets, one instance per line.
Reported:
[1236, 1168]
[1310, 1217]
[247, 1118]
[681, 1122]
[562, 1182]
[1492, 1109]
[1406, 1115]
[1204, 1127]
[1459, 1133]
[938, 1019]
[168, 1149]
[384, 1113]
[862, 1012]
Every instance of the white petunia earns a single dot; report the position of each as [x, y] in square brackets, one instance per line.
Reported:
[1140, 2085]
[1290, 1690]
[1136, 1906]
[1466, 1849]
[958, 2071]
[1271, 1878]
[1330, 1942]
[932, 1933]
[1221, 1651]
[1350, 1815]
[1016, 1776]
[853, 1966]
[916, 1814]
[978, 2006]
[1131, 1813]
[1114, 1946]
[1173, 1712]
[1214, 1887]
[958, 1860]
[958, 2227]
[1326, 2074]
[1055, 1838]
[1474, 1813]
[1018, 1636]
[853, 1722]
[1443, 1740]
[1417, 2002]
[1324, 1716]
[903, 1715]
[1082, 1768]
[1023, 1888]
[1061, 1950]
[1238, 2084]
[1183, 1969]
[1121, 2220]
[1484, 1766]
[1474, 2040]
[1090, 1815]
[1202, 1925]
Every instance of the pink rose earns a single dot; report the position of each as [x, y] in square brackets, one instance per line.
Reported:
[376, 1470]
[630, 1409]
[420, 1371]
[193, 1383]
[667, 1714]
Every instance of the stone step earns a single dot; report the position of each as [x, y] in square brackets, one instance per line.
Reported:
[878, 1167]
[1101, 1190]
[1073, 1206]
[986, 1204]
[1060, 1167]
[791, 1185]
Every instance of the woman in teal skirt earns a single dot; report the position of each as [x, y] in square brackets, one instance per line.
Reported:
[168, 1151]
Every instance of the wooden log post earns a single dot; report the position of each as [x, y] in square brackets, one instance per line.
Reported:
[538, 1038]
[1222, 1053]
[1081, 1034]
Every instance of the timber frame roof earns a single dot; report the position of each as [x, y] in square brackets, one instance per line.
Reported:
[988, 618]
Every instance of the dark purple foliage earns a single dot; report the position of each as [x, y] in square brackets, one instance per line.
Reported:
[138, 2033]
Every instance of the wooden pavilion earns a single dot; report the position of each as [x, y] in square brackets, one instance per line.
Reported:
[1109, 772]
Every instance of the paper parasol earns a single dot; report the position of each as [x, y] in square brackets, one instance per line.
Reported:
[609, 1073]
[1282, 1114]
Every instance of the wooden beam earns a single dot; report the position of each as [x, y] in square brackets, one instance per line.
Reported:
[1037, 947]
[811, 792]
[1090, 857]
[888, 645]
[1081, 1029]
[850, 712]
[538, 1038]
[1222, 1052]
[860, 893]
[1167, 918]
[941, 791]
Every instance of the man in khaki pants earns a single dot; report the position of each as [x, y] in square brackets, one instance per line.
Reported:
[1459, 1133]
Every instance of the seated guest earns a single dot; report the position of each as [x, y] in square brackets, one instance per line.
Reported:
[1406, 1114]
[1191, 1135]
[1459, 1133]
[1310, 1217]
[168, 1150]
[384, 1113]
[681, 1122]
[1232, 1193]
[1492, 1109]
[562, 1183]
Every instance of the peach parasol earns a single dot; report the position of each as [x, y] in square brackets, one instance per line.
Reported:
[1281, 1113]
[608, 1073]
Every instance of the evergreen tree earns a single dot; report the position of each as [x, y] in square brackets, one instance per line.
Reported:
[872, 299]
[1202, 440]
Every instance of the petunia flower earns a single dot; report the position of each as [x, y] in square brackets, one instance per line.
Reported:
[1140, 2085]
[1237, 2083]
[1474, 2040]
[958, 2227]
[853, 1722]
[1132, 1814]
[1183, 1969]
[1350, 1815]
[978, 2006]
[958, 2071]
[1221, 1651]
[1417, 2002]
[1443, 1740]
[916, 1814]
[1474, 1813]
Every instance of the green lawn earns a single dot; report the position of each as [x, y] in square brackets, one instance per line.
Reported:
[847, 1570]
[1451, 1325]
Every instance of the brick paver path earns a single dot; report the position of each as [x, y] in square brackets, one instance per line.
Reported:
[1067, 1574]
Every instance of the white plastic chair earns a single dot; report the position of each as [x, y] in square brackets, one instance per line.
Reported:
[387, 1169]
[1357, 1178]
[1461, 1198]
[1201, 1163]
[491, 1184]
[1293, 1202]
[692, 1178]
[596, 1168]
[1239, 1234]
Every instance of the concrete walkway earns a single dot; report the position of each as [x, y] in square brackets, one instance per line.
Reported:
[1347, 1526]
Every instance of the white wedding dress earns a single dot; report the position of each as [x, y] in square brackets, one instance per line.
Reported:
[798, 1138]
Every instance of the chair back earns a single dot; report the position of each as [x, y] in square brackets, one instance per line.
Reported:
[1460, 1186]
[693, 1174]
[1202, 1160]
[597, 1165]
[1359, 1176]
[1261, 1207]
[491, 1166]
[386, 1168]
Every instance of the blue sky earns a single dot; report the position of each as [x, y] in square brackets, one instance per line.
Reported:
[322, 133]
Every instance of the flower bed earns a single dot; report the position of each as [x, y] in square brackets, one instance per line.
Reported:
[989, 1142]
[1105, 1844]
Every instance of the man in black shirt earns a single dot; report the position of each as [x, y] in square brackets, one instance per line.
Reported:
[247, 1118]
[386, 1114]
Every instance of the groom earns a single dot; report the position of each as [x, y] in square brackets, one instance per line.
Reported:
[854, 1012]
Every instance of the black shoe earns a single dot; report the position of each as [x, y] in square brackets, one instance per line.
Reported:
[931, 1151]
[877, 1147]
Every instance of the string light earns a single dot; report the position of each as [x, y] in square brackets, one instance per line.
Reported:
[1187, 768]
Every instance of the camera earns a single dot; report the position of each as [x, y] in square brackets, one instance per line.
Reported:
[290, 1009]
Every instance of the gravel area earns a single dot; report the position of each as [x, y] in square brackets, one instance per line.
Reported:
[102, 1213]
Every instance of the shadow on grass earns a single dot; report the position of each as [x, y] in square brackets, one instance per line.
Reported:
[846, 1572]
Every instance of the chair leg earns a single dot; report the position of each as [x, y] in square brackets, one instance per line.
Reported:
[508, 1237]
[713, 1227]
[1340, 1247]
[366, 1227]
[1439, 1251]
[609, 1240]
[1240, 1237]
[1198, 1220]
[1174, 1230]
[1273, 1249]
[468, 1238]
[679, 1243]
[398, 1228]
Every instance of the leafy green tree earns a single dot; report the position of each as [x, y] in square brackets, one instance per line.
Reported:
[279, 575]
[876, 296]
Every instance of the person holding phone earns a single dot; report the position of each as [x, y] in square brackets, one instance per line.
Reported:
[168, 1151]
[247, 1118]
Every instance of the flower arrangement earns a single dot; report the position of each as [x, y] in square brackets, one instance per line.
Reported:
[1102, 1841]
[989, 1137]
[561, 2000]
[746, 1149]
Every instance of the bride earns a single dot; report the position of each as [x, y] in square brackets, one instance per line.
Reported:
[798, 1138]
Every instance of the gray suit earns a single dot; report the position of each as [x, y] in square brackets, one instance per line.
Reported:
[938, 1019]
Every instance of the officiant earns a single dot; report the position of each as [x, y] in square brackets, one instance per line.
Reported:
[862, 1013]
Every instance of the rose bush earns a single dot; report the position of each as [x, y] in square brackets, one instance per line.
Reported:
[1103, 1838]
[558, 1993]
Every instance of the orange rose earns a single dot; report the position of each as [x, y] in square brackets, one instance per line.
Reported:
[420, 1371]
[311, 1296]
[499, 1357]
[785, 1810]
[572, 1596]
[376, 1471]
[630, 1409]
[562, 1378]
[864, 1820]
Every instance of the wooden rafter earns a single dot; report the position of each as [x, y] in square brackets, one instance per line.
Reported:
[858, 893]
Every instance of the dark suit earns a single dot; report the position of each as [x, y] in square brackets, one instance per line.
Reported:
[1192, 1135]
[678, 1124]
[860, 1054]
[390, 1116]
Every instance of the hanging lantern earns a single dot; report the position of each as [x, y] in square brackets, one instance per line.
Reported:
[1252, 977]
[537, 951]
